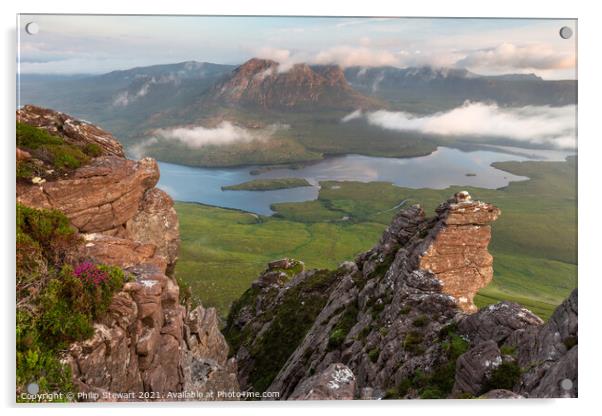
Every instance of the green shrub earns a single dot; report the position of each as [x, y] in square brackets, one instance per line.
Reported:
[438, 383]
[412, 342]
[25, 170]
[421, 321]
[341, 329]
[30, 137]
[54, 306]
[373, 354]
[431, 393]
[364, 332]
[569, 342]
[45, 369]
[51, 149]
[292, 318]
[336, 338]
[69, 307]
[93, 149]
[508, 350]
[505, 376]
[50, 229]
[404, 310]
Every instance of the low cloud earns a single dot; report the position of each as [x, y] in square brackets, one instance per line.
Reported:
[199, 136]
[553, 126]
[503, 58]
[510, 56]
[125, 98]
[344, 56]
[196, 137]
[352, 116]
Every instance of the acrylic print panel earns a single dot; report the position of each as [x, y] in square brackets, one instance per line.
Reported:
[295, 208]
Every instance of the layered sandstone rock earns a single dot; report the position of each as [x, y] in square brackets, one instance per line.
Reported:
[457, 254]
[110, 195]
[70, 129]
[99, 197]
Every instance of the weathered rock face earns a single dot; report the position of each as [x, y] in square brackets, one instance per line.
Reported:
[457, 254]
[475, 367]
[72, 130]
[549, 353]
[396, 319]
[110, 195]
[147, 341]
[336, 382]
[99, 197]
[148, 330]
[157, 223]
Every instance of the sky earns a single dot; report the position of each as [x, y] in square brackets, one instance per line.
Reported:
[89, 44]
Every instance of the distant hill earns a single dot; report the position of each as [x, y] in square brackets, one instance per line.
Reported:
[429, 89]
[125, 101]
[132, 102]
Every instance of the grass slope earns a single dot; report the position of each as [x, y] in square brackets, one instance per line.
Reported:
[534, 242]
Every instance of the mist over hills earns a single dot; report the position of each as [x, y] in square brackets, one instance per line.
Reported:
[427, 89]
[296, 111]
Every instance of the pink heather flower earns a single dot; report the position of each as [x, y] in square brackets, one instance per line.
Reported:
[90, 274]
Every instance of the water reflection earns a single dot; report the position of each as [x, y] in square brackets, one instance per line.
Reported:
[442, 168]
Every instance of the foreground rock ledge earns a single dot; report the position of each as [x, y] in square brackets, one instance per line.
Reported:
[389, 318]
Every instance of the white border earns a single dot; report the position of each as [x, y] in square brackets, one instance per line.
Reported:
[590, 207]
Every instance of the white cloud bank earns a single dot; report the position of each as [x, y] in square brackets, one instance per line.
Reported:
[502, 58]
[508, 55]
[199, 136]
[532, 124]
[196, 137]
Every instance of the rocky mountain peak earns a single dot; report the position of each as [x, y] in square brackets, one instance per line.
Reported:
[268, 84]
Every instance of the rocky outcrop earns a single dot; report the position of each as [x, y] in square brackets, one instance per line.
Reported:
[336, 382]
[548, 353]
[166, 351]
[109, 195]
[401, 319]
[147, 346]
[475, 367]
[457, 251]
[99, 197]
[70, 129]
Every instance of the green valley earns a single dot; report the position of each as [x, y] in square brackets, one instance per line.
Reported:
[534, 242]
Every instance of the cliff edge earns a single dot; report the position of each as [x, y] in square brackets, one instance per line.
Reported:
[146, 345]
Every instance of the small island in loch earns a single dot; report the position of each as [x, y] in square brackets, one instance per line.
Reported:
[268, 184]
